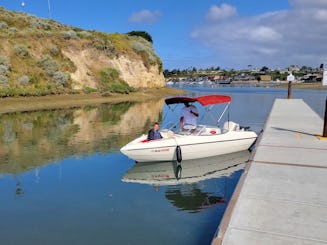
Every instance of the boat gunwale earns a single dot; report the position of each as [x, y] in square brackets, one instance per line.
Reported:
[188, 144]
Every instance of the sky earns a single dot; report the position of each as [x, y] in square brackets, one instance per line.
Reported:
[230, 34]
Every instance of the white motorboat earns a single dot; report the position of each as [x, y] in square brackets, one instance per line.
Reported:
[201, 142]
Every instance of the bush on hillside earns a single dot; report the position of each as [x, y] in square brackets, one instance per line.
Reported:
[111, 81]
[21, 50]
[70, 34]
[138, 46]
[4, 81]
[54, 50]
[3, 25]
[60, 78]
[37, 23]
[13, 30]
[147, 54]
[24, 80]
[104, 45]
[4, 61]
[89, 90]
[4, 70]
[84, 34]
[49, 65]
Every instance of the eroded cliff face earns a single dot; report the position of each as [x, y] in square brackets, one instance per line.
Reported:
[136, 74]
[41, 56]
[133, 71]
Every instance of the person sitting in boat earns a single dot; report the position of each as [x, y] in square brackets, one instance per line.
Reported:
[154, 133]
[189, 116]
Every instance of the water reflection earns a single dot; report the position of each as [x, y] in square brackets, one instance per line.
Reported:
[187, 189]
[30, 139]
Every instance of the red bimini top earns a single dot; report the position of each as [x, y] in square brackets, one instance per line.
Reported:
[203, 100]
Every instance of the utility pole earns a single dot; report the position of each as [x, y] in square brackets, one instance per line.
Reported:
[49, 9]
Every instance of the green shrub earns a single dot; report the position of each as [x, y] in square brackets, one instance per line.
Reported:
[29, 91]
[89, 90]
[60, 78]
[5, 61]
[48, 33]
[4, 81]
[24, 80]
[12, 30]
[104, 45]
[138, 46]
[3, 25]
[54, 50]
[145, 50]
[49, 65]
[109, 75]
[21, 50]
[4, 70]
[111, 81]
[37, 23]
[70, 34]
[84, 34]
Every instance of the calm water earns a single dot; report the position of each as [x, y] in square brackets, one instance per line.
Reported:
[64, 181]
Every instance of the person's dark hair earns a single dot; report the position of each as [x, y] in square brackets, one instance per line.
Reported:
[155, 123]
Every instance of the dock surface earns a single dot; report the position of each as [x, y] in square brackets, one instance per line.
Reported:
[281, 197]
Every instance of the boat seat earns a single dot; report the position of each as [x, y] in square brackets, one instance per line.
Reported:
[231, 126]
[211, 131]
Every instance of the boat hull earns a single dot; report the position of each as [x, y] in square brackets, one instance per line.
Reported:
[192, 147]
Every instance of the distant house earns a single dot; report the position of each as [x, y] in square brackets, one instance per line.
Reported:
[312, 78]
[294, 68]
[265, 78]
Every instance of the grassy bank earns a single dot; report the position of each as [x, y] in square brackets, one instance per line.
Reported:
[77, 100]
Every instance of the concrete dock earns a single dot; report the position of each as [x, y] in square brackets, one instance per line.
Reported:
[281, 197]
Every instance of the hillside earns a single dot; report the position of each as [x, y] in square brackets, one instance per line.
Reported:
[41, 56]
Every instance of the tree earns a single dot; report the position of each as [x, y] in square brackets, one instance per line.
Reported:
[142, 34]
[264, 69]
[166, 73]
[304, 69]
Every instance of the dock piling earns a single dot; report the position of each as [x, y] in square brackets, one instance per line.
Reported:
[290, 79]
[289, 91]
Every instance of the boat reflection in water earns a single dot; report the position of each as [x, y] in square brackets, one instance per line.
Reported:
[192, 185]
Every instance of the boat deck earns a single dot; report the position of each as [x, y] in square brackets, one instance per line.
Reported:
[281, 196]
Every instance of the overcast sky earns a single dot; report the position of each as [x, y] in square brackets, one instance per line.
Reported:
[205, 33]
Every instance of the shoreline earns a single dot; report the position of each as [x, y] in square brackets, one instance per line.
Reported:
[22, 104]
[48, 102]
[283, 84]
[315, 86]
